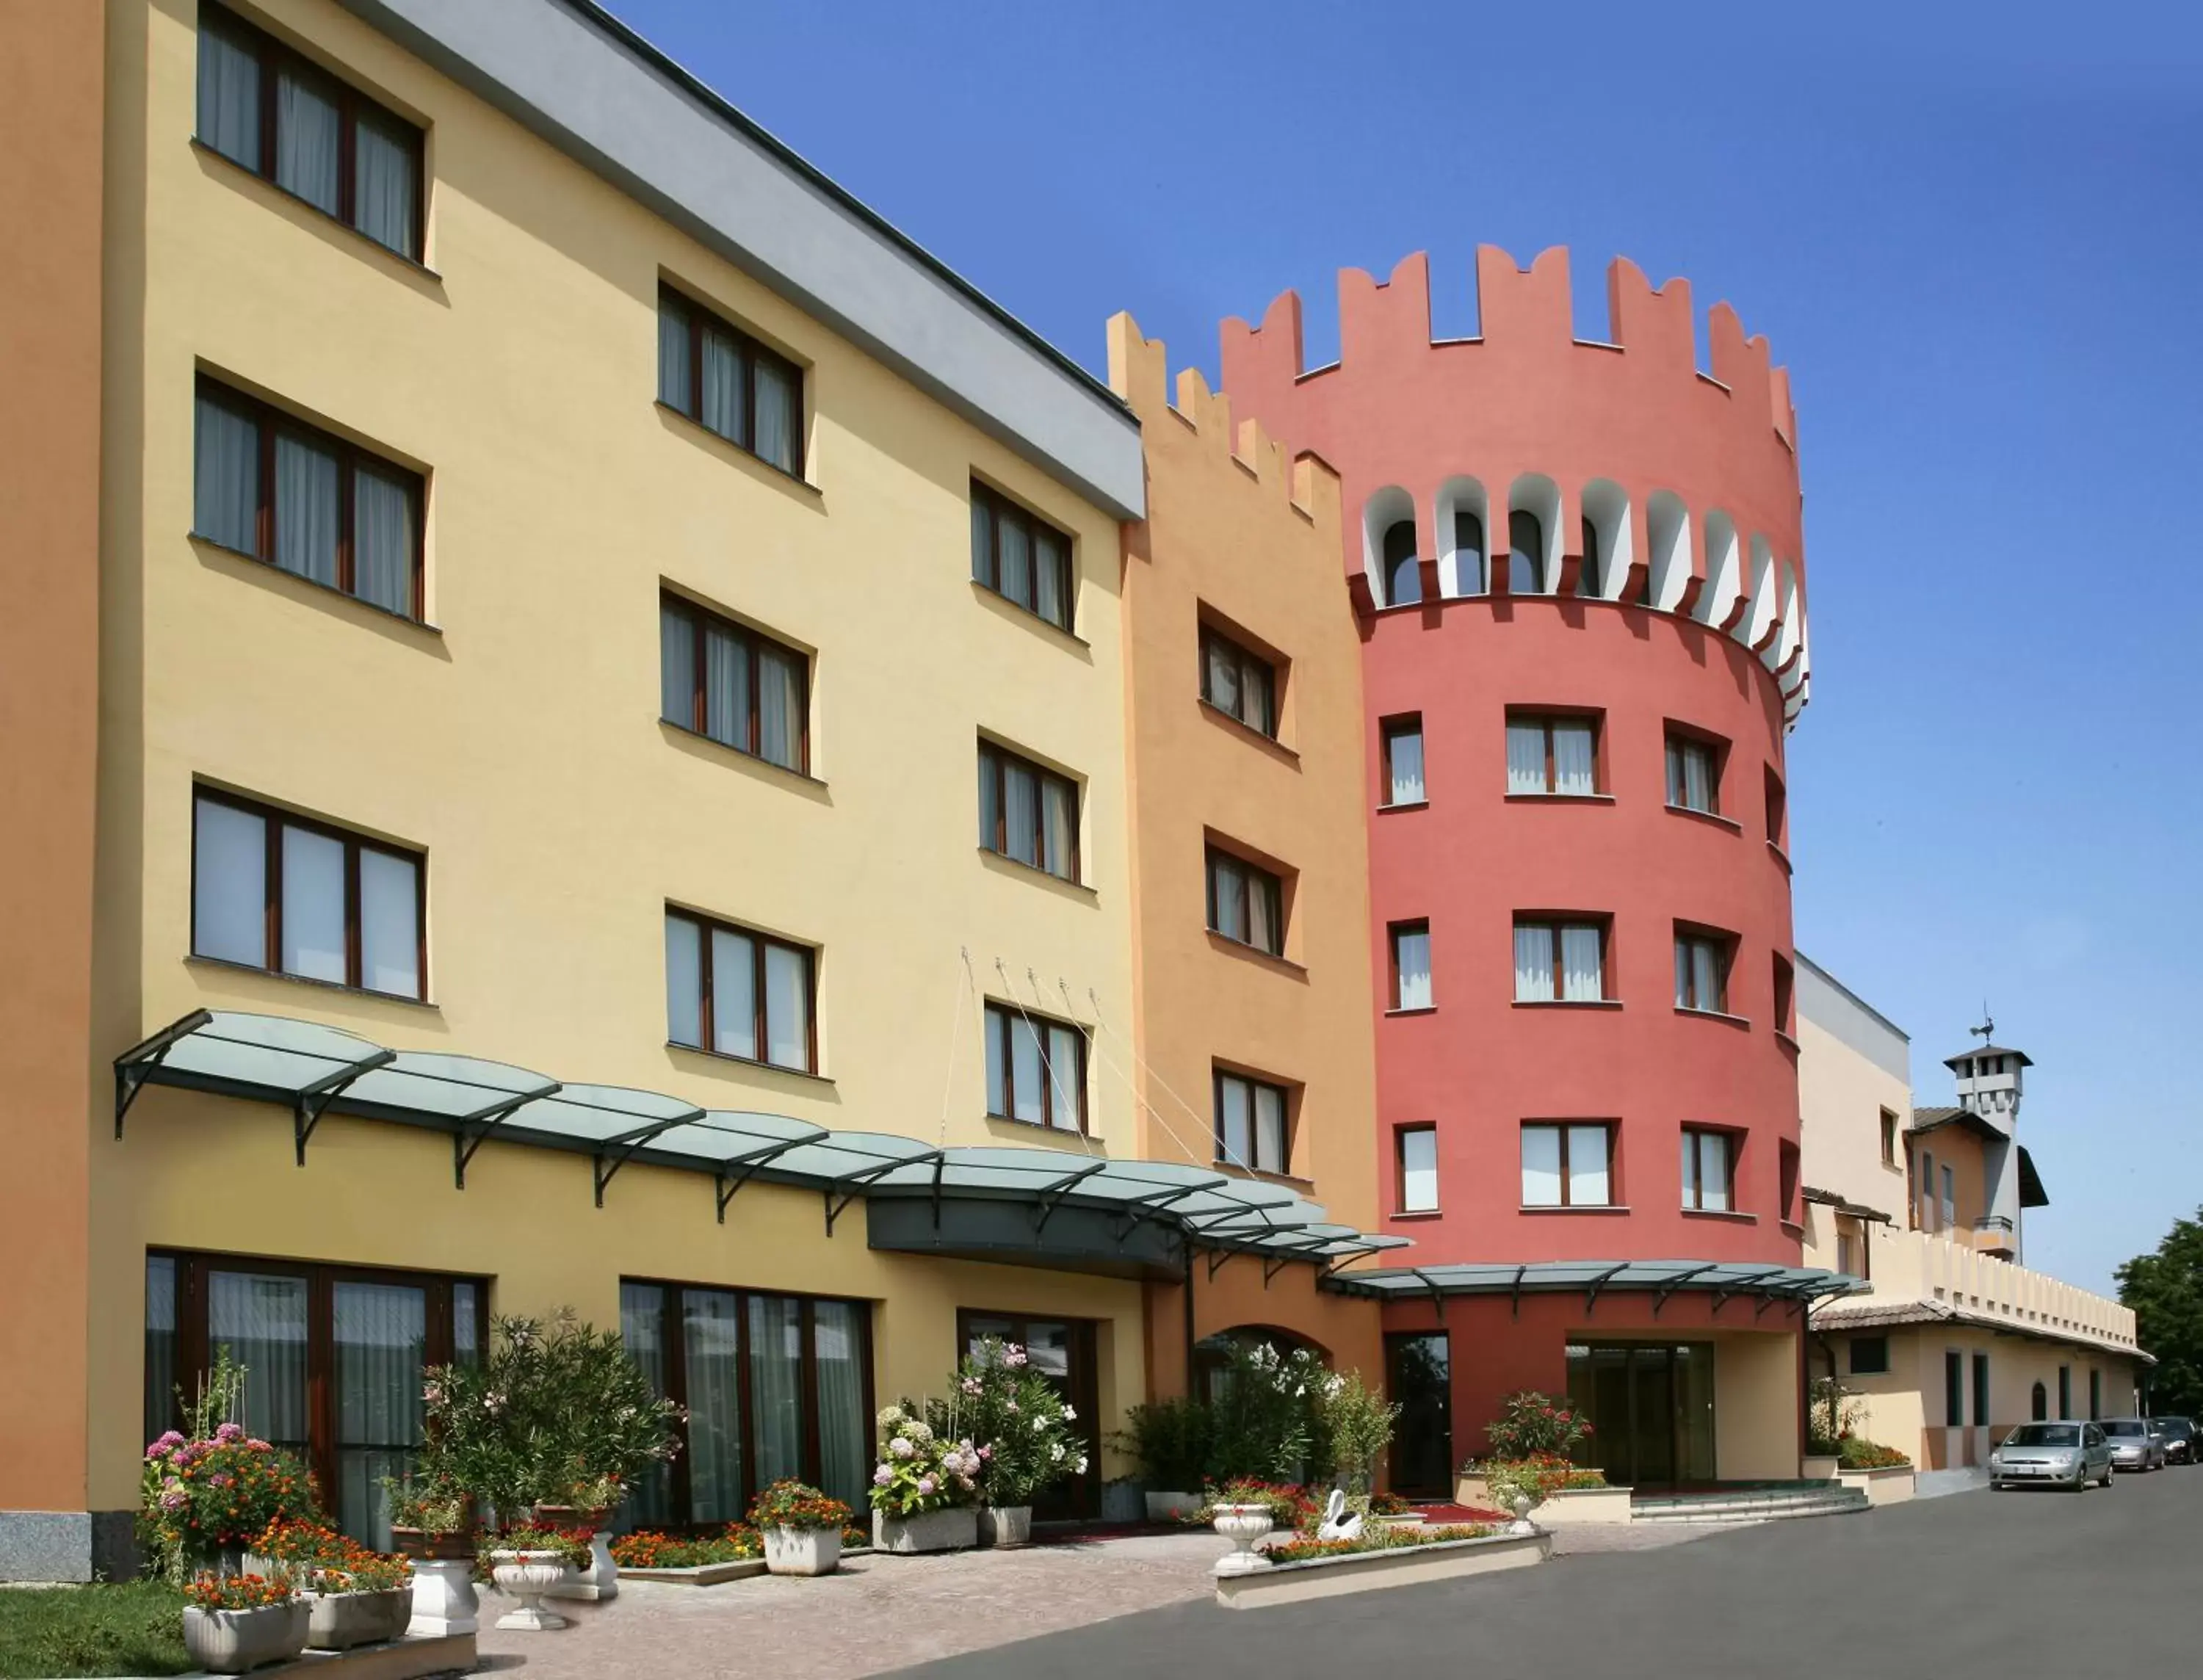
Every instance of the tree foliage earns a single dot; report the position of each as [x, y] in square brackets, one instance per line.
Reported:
[2165, 1290]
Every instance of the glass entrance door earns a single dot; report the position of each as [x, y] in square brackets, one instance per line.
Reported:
[1419, 1380]
[1651, 1407]
[1062, 1351]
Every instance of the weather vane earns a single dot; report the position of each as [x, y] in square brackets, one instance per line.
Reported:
[1986, 1030]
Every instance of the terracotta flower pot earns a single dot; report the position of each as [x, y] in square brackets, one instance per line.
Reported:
[233, 1641]
[453, 1547]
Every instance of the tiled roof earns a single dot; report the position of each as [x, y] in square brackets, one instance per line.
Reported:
[1867, 1313]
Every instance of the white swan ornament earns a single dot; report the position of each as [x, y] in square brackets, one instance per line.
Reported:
[1336, 1524]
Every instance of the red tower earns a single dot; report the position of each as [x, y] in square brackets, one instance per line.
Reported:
[1577, 567]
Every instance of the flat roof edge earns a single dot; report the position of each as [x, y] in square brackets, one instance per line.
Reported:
[575, 76]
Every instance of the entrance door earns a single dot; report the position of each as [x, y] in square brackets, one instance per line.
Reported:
[1062, 1351]
[1650, 1408]
[1419, 1380]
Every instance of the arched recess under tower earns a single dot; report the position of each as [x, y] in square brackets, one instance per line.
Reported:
[1609, 545]
[1724, 567]
[1667, 537]
[1395, 579]
[1464, 536]
[1533, 535]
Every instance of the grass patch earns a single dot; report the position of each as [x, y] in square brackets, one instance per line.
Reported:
[133, 1629]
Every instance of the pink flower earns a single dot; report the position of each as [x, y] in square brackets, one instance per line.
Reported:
[927, 1484]
[259, 1446]
[229, 1432]
[165, 1445]
[882, 1476]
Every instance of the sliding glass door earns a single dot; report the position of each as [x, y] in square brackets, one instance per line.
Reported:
[1650, 1408]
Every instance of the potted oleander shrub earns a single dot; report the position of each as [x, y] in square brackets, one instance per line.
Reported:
[1024, 1433]
[924, 1487]
[354, 1595]
[802, 1529]
[1168, 1440]
[430, 1521]
[234, 1623]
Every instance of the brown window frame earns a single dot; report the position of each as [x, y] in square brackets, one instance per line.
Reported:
[679, 1492]
[1612, 1130]
[1544, 718]
[273, 57]
[995, 762]
[1009, 1015]
[1556, 925]
[987, 573]
[1217, 1078]
[1888, 1138]
[1681, 737]
[1724, 945]
[1394, 931]
[697, 316]
[1391, 729]
[1213, 642]
[276, 819]
[1253, 876]
[708, 1002]
[1732, 1143]
[702, 618]
[267, 421]
[193, 1353]
[1399, 1166]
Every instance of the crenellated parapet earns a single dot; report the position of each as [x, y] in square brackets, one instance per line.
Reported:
[1644, 482]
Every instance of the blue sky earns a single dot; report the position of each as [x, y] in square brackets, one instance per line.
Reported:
[1982, 260]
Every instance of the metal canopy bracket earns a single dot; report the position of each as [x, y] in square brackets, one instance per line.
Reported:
[312, 1101]
[1438, 1295]
[1052, 1198]
[1516, 1292]
[135, 1065]
[1216, 1257]
[858, 1180]
[1737, 1285]
[1660, 1295]
[474, 1129]
[1591, 1296]
[620, 1150]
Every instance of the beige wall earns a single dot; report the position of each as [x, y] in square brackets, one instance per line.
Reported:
[1842, 1093]
[1755, 1407]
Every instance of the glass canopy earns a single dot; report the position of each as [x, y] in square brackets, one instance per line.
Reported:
[1594, 1277]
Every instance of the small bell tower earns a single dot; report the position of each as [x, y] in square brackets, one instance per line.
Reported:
[1990, 1081]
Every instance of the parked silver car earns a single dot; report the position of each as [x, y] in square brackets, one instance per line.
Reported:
[2136, 1443]
[2180, 1441]
[2051, 1455]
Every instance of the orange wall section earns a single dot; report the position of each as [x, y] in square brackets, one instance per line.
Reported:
[1241, 538]
[51, 112]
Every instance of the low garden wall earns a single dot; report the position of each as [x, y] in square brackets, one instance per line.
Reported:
[1892, 1486]
[1367, 1572]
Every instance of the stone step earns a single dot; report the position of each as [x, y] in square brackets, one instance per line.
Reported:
[1752, 1507]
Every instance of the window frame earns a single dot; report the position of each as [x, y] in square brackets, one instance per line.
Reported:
[1009, 1014]
[1545, 718]
[1253, 876]
[274, 819]
[707, 1029]
[1555, 924]
[1693, 935]
[1394, 931]
[1679, 738]
[1388, 562]
[1400, 1202]
[751, 348]
[1564, 1128]
[1395, 729]
[995, 760]
[1255, 1085]
[1693, 1194]
[703, 618]
[1212, 640]
[269, 422]
[273, 56]
[1786, 995]
[999, 507]
[1870, 1369]
[1889, 1138]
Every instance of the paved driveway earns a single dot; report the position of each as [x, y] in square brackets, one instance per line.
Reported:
[1977, 1586]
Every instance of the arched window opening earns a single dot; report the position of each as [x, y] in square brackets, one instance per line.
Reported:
[2041, 1403]
[1594, 571]
[1526, 558]
[1467, 553]
[1215, 1357]
[1403, 575]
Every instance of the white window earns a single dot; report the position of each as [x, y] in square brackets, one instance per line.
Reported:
[1568, 1165]
[1552, 754]
[1707, 1165]
[1557, 961]
[1419, 1169]
[1411, 965]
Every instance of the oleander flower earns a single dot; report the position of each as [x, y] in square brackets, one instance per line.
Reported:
[972, 1385]
[1069, 1416]
[1012, 1355]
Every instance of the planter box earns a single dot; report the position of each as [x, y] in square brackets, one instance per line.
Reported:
[457, 1547]
[1369, 1571]
[1582, 1507]
[956, 1529]
[1471, 1491]
[1892, 1486]
[699, 1574]
[599, 1581]
[1170, 1507]
[339, 1621]
[1820, 1467]
[802, 1551]
[1006, 1525]
[233, 1641]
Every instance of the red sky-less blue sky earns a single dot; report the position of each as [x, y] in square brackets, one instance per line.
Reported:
[1974, 235]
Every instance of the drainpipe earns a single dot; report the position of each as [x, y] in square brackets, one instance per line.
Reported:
[1189, 1320]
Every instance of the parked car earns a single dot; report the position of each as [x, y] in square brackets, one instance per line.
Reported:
[2179, 1433]
[2136, 1443]
[2051, 1455]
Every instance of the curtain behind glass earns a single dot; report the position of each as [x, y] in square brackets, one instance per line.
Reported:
[307, 126]
[1059, 823]
[1222, 671]
[1015, 544]
[676, 666]
[734, 994]
[1705, 973]
[1269, 1128]
[466, 1324]
[226, 488]
[384, 183]
[1580, 972]
[1541, 1167]
[788, 1007]
[1713, 1171]
[674, 378]
[983, 542]
[1026, 1082]
[1020, 796]
[160, 1344]
[313, 905]
[997, 1053]
[1534, 963]
[711, 1341]
[1264, 917]
[382, 528]
[1412, 958]
[1526, 759]
[1234, 1122]
[229, 884]
[726, 688]
[229, 96]
[726, 387]
[1419, 1169]
[642, 1335]
[1572, 758]
[1405, 756]
[1052, 575]
[1227, 892]
[261, 1321]
[776, 1386]
[776, 414]
[1588, 1185]
[1066, 1078]
[684, 981]
[844, 1430]
[305, 509]
[389, 924]
[780, 708]
[379, 1346]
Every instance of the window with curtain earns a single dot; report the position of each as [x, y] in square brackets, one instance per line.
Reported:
[273, 487]
[775, 1386]
[1568, 1164]
[1246, 903]
[1417, 1159]
[1022, 559]
[1694, 768]
[1549, 753]
[1950, 1199]
[1026, 813]
[333, 1356]
[1467, 553]
[1402, 741]
[1702, 964]
[1526, 553]
[733, 685]
[729, 383]
[276, 892]
[268, 109]
[1035, 1068]
[1410, 947]
[734, 992]
[1403, 567]
[1252, 1124]
[1560, 962]
[1238, 682]
[1708, 1161]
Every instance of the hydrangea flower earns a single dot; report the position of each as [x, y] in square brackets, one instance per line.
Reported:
[900, 1446]
[927, 1484]
[882, 1476]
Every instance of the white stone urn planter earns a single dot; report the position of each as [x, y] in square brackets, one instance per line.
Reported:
[528, 1576]
[1006, 1525]
[444, 1601]
[599, 1581]
[1242, 1525]
[1166, 1506]
[1820, 1467]
[234, 1642]
[954, 1529]
[802, 1551]
[339, 1621]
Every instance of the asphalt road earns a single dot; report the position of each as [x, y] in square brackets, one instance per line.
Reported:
[1976, 1586]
